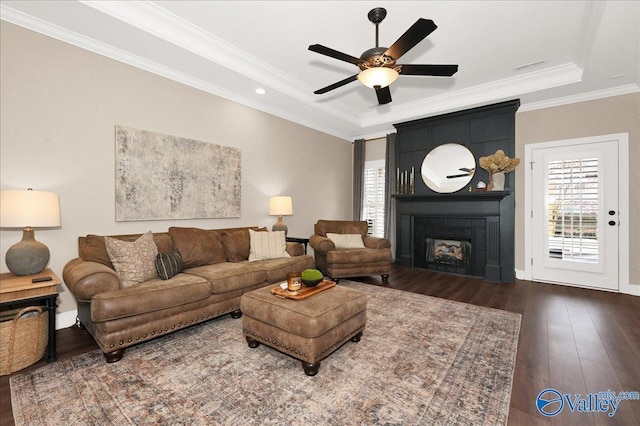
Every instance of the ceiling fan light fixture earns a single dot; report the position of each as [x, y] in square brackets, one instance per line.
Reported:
[378, 76]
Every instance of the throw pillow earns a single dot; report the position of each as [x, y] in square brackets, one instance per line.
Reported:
[133, 261]
[236, 246]
[346, 241]
[198, 247]
[168, 264]
[267, 245]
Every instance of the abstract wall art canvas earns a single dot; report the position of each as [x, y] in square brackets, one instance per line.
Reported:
[168, 177]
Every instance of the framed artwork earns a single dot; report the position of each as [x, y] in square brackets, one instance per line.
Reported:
[161, 177]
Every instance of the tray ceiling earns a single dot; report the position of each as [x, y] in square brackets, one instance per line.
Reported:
[544, 52]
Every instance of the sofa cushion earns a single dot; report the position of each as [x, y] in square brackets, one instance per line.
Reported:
[168, 264]
[197, 246]
[267, 245]
[150, 296]
[346, 241]
[229, 276]
[236, 245]
[133, 261]
[94, 250]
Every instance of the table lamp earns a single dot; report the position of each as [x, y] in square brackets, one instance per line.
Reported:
[28, 210]
[280, 206]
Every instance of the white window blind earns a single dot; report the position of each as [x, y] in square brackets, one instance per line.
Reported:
[572, 198]
[373, 197]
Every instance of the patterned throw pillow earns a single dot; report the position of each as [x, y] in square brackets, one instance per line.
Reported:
[168, 264]
[135, 262]
[267, 245]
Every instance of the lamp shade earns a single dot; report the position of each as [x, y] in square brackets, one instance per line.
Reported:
[377, 76]
[28, 208]
[280, 206]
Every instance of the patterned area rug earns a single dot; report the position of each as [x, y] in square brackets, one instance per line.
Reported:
[421, 361]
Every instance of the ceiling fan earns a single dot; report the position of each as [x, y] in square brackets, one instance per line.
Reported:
[378, 67]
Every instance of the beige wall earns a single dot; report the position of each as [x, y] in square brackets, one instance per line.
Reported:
[618, 114]
[59, 105]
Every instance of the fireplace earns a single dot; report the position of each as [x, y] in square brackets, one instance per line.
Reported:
[450, 244]
[448, 253]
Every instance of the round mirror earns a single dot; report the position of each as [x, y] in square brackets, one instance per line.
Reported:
[448, 168]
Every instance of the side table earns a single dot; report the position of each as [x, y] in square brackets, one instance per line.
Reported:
[304, 241]
[20, 291]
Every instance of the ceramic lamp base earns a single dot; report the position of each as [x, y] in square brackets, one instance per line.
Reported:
[27, 257]
[280, 226]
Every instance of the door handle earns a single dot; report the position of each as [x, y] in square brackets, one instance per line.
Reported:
[612, 212]
[612, 222]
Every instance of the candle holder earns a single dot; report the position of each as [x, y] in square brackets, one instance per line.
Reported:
[405, 181]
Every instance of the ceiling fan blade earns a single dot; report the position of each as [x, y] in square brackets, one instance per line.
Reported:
[438, 70]
[336, 85]
[414, 35]
[383, 94]
[323, 50]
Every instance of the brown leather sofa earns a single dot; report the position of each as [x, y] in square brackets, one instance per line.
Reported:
[121, 317]
[373, 259]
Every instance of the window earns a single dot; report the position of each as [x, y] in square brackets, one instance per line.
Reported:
[572, 197]
[373, 197]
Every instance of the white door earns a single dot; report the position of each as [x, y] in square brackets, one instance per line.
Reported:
[575, 214]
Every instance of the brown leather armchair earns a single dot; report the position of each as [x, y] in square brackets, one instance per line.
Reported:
[372, 259]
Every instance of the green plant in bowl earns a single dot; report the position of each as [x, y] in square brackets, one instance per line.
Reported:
[311, 277]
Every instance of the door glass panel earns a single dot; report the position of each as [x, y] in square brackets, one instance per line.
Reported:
[572, 207]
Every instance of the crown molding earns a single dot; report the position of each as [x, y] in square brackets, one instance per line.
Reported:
[582, 97]
[481, 95]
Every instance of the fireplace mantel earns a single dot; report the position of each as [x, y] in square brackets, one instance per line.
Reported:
[456, 196]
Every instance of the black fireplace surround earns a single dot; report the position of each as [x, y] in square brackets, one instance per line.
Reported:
[482, 221]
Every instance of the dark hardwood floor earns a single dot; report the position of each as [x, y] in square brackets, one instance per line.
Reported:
[574, 340]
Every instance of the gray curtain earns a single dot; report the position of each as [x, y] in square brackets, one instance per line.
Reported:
[358, 177]
[390, 188]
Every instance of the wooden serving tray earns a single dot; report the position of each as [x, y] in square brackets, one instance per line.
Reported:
[304, 292]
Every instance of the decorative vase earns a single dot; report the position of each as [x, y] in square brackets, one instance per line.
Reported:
[496, 180]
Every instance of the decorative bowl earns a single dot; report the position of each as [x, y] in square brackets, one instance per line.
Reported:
[312, 283]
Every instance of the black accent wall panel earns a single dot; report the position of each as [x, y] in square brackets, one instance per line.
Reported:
[483, 130]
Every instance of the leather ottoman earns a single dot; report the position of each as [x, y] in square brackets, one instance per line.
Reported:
[309, 329]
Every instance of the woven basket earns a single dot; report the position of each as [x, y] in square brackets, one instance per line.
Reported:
[23, 340]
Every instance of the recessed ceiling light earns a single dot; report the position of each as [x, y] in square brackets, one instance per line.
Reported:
[260, 91]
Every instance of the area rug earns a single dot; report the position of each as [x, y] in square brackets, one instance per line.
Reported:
[421, 361]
